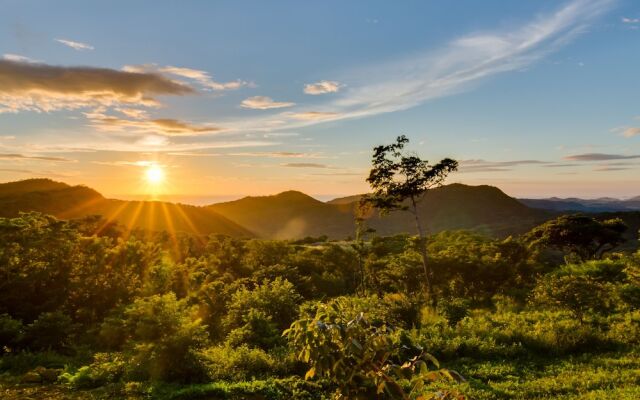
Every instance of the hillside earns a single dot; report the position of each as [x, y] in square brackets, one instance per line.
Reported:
[289, 215]
[68, 202]
[294, 214]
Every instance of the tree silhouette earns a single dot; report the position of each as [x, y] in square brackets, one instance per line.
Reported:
[399, 180]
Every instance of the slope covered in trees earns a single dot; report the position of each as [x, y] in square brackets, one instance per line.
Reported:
[70, 202]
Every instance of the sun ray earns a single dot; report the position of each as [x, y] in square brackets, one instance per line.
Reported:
[171, 229]
[109, 219]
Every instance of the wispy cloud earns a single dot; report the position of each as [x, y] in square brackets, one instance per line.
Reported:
[18, 58]
[322, 87]
[630, 132]
[454, 68]
[264, 103]
[313, 115]
[141, 163]
[203, 78]
[75, 45]
[163, 126]
[495, 166]
[28, 157]
[600, 157]
[630, 20]
[277, 154]
[305, 165]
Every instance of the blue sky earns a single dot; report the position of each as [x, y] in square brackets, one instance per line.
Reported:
[246, 97]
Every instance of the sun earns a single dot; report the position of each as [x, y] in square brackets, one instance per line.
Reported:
[154, 175]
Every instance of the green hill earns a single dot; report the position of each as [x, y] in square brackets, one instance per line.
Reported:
[294, 214]
[68, 202]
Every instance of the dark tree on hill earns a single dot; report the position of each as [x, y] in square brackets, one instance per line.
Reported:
[578, 234]
[399, 180]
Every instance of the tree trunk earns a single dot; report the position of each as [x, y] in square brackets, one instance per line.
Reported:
[423, 253]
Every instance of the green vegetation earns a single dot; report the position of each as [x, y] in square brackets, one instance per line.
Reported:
[103, 313]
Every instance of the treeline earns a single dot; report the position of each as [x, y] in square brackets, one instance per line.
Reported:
[92, 305]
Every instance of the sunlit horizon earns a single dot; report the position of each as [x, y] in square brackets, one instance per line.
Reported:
[535, 98]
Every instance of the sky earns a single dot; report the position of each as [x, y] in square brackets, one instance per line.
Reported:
[221, 99]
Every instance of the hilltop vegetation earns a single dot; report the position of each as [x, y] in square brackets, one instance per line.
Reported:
[97, 310]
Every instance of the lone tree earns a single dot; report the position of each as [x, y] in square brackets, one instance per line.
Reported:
[399, 180]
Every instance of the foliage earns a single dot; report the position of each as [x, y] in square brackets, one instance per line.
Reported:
[362, 359]
[126, 314]
[256, 317]
[161, 337]
[50, 331]
[454, 310]
[578, 234]
[11, 333]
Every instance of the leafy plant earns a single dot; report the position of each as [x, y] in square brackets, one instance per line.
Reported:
[363, 360]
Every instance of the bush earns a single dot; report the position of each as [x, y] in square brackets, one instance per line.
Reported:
[11, 332]
[105, 368]
[580, 294]
[454, 310]
[257, 317]
[51, 331]
[237, 363]
[162, 339]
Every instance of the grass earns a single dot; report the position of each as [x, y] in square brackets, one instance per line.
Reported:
[613, 375]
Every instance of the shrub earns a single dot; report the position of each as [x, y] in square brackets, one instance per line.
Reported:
[258, 330]
[11, 331]
[105, 368]
[256, 317]
[579, 294]
[454, 310]
[237, 363]
[51, 331]
[363, 360]
[162, 338]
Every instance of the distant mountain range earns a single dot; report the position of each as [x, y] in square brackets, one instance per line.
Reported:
[288, 215]
[603, 204]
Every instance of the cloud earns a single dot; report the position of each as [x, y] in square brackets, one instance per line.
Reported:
[263, 103]
[600, 157]
[142, 163]
[322, 87]
[610, 169]
[495, 166]
[313, 115]
[132, 112]
[304, 165]
[162, 126]
[18, 58]
[630, 20]
[40, 158]
[7, 137]
[75, 45]
[630, 132]
[45, 88]
[465, 61]
[277, 154]
[201, 77]
[453, 68]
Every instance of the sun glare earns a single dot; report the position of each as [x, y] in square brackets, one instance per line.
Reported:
[154, 175]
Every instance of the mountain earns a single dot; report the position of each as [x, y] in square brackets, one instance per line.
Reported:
[603, 204]
[456, 206]
[289, 215]
[68, 202]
